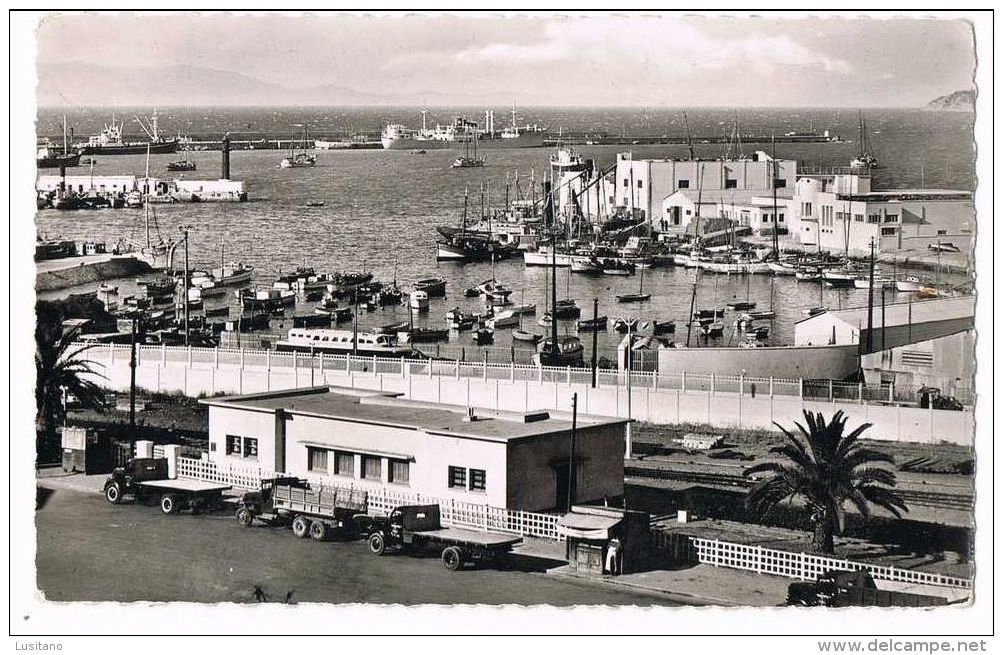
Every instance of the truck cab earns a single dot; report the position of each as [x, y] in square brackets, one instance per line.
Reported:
[140, 469]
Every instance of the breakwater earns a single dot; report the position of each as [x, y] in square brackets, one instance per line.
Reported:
[78, 271]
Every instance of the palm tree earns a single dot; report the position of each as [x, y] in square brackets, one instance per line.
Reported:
[826, 470]
[60, 368]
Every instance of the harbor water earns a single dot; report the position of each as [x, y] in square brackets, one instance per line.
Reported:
[380, 209]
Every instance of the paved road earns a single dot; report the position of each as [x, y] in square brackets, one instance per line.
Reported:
[90, 550]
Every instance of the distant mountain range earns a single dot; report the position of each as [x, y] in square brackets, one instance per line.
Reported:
[87, 85]
[957, 101]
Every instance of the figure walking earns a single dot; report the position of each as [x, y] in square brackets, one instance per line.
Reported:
[613, 557]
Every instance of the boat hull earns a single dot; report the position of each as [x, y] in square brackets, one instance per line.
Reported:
[163, 147]
[524, 140]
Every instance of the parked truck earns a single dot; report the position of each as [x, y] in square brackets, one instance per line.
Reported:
[853, 589]
[414, 527]
[146, 478]
[289, 501]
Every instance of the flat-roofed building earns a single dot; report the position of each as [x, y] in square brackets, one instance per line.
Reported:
[372, 439]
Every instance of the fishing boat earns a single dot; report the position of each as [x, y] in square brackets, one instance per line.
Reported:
[523, 335]
[315, 203]
[713, 330]
[49, 157]
[329, 306]
[640, 296]
[341, 342]
[865, 159]
[418, 300]
[468, 160]
[522, 309]
[842, 278]
[483, 336]
[108, 288]
[943, 246]
[567, 351]
[423, 335]
[185, 164]
[626, 324]
[433, 286]
[586, 266]
[909, 284]
[665, 327]
[301, 159]
[493, 290]
[617, 267]
[265, 299]
[567, 309]
[592, 324]
[505, 318]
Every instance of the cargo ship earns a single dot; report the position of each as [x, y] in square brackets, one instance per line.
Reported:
[396, 136]
[109, 142]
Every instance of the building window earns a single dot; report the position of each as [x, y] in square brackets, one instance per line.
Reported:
[250, 447]
[344, 464]
[806, 209]
[400, 472]
[858, 218]
[888, 231]
[626, 182]
[730, 184]
[780, 218]
[874, 218]
[640, 184]
[232, 445]
[779, 183]
[316, 459]
[478, 480]
[684, 184]
[457, 477]
[891, 218]
[941, 232]
[372, 467]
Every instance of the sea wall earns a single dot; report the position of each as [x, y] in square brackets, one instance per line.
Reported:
[87, 272]
[790, 362]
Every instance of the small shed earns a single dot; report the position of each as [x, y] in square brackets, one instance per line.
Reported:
[605, 540]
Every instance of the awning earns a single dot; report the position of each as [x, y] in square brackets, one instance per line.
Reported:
[356, 450]
[586, 526]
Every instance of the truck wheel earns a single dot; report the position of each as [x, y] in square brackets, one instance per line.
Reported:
[244, 517]
[301, 527]
[318, 531]
[169, 504]
[377, 546]
[113, 493]
[452, 558]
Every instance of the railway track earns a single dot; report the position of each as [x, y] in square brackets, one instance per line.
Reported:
[938, 499]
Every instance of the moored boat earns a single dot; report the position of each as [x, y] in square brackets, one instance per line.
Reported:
[567, 351]
[433, 286]
[319, 340]
[523, 335]
[592, 324]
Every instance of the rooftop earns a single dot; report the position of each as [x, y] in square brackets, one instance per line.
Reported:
[923, 311]
[376, 408]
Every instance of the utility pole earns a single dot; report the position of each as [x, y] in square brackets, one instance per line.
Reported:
[184, 282]
[571, 460]
[595, 338]
[870, 304]
[132, 381]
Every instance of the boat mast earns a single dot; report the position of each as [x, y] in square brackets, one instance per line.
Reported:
[696, 274]
[776, 216]
[146, 188]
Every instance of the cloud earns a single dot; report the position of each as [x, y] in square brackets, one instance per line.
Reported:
[673, 45]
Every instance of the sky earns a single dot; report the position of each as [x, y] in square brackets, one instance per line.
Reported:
[593, 59]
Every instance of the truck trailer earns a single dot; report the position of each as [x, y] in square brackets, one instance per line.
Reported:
[145, 478]
[417, 527]
[292, 502]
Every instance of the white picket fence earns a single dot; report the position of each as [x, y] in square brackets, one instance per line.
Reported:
[802, 566]
[382, 500]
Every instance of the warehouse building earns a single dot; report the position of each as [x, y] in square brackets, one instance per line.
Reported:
[373, 439]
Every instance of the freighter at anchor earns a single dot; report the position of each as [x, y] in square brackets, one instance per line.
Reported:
[396, 136]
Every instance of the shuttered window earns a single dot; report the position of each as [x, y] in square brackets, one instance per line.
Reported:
[400, 471]
[317, 459]
[457, 477]
[344, 463]
[372, 467]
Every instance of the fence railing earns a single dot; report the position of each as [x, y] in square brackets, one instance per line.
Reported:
[802, 566]
[244, 359]
[381, 500]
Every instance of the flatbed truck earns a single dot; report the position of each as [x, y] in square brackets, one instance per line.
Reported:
[145, 478]
[417, 527]
[292, 502]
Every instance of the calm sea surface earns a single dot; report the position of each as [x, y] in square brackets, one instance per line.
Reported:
[380, 207]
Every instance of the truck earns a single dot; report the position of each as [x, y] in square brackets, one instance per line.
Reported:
[417, 527]
[292, 502]
[146, 478]
[853, 589]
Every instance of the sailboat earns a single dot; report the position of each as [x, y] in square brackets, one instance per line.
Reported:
[48, 157]
[158, 255]
[298, 159]
[640, 296]
[742, 305]
[764, 314]
[468, 161]
[865, 158]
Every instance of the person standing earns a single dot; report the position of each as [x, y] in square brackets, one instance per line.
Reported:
[613, 557]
